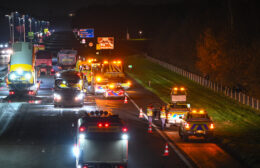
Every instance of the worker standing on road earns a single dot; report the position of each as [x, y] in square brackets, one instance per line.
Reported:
[163, 116]
[150, 113]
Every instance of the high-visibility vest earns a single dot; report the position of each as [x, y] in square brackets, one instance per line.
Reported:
[163, 114]
[149, 112]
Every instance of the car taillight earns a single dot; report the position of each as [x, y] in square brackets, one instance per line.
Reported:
[11, 93]
[30, 92]
[187, 126]
[52, 70]
[82, 128]
[100, 125]
[124, 129]
[211, 126]
[106, 125]
[85, 167]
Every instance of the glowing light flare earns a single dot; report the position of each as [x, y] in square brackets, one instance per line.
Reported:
[211, 126]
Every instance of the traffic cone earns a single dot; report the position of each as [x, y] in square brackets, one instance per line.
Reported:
[166, 150]
[141, 114]
[125, 101]
[150, 130]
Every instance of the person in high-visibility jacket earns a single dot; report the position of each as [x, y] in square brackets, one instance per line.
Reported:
[163, 116]
[150, 113]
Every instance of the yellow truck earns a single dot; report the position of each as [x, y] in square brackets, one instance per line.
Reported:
[22, 78]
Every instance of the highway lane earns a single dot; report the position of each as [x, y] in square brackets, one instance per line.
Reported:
[202, 154]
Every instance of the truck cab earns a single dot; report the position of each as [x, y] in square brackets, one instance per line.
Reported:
[101, 141]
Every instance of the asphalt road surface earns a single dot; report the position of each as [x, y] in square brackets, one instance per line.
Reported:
[35, 134]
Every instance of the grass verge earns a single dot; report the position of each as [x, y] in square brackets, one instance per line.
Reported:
[237, 126]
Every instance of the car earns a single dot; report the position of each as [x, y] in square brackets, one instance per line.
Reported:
[101, 141]
[196, 123]
[68, 89]
[175, 111]
[114, 91]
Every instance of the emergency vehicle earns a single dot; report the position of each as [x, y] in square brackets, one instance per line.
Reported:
[101, 141]
[178, 107]
[196, 123]
[114, 91]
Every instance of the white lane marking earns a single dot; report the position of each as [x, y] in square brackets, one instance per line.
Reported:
[177, 151]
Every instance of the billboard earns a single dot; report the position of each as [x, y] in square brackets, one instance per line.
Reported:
[86, 33]
[106, 43]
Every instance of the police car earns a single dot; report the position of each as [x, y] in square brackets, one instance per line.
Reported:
[101, 141]
[115, 91]
[196, 123]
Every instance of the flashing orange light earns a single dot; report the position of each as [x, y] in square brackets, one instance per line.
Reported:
[182, 88]
[89, 60]
[129, 83]
[98, 79]
[111, 86]
[211, 126]
[114, 62]
[201, 111]
[175, 88]
[194, 111]
[119, 62]
[187, 126]
[105, 62]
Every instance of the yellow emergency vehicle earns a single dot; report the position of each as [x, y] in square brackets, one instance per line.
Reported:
[196, 123]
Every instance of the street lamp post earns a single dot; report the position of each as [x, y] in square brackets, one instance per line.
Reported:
[23, 27]
[20, 29]
[10, 29]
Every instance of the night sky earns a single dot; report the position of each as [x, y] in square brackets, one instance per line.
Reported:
[54, 10]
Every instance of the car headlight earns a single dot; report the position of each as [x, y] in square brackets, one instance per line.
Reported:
[79, 96]
[12, 76]
[20, 71]
[57, 96]
[28, 76]
[124, 136]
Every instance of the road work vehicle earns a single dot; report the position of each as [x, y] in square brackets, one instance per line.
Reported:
[43, 63]
[67, 59]
[178, 107]
[101, 141]
[22, 78]
[196, 123]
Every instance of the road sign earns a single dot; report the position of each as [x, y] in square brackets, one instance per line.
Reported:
[83, 41]
[86, 33]
[30, 35]
[106, 43]
[90, 44]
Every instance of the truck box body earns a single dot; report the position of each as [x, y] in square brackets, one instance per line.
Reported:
[108, 151]
[67, 57]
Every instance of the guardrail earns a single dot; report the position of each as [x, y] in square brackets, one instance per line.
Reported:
[216, 87]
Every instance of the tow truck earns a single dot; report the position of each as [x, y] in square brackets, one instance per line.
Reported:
[68, 89]
[101, 141]
[178, 107]
[196, 123]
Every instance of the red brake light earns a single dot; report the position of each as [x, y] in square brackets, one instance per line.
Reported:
[30, 92]
[11, 93]
[85, 166]
[100, 125]
[106, 125]
[82, 128]
[52, 70]
[124, 129]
